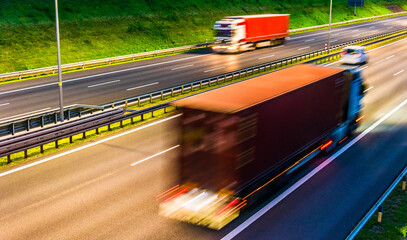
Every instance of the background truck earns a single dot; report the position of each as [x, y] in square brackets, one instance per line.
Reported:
[238, 139]
[242, 33]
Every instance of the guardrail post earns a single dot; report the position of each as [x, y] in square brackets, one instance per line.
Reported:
[403, 184]
[84, 135]
[13, 130]
[56, 144]
[165, 110]
[217, 80]
[192, 87]
[97, 129]
[233, 76]
[70, 139]
[138, 101]
[152, 114]
[151, 98]
[109, 128]
[41, 148]
[28, 125]
[132, 120]
[200, 87]
[55, 117]
[25, 154]
[125, 104]
[142, 117]
[162, 95]
[42, 121]
[8, 159]
[121, 124]
[182, 89]
[68, 112]
[379, 214]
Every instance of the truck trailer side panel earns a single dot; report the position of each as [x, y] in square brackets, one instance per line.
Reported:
[289, 123]
[264, 28]
[235, 134]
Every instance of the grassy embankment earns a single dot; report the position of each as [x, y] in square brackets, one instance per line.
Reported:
[112, 28]
[394, 219]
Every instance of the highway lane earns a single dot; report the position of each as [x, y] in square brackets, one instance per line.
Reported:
[96, 193]
[331, 203]
[98, 86]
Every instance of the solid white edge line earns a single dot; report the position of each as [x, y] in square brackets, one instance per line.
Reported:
[155, 155]
[40, 110]
[100, 84]
[86, 146]
[150, 84]
[4, 104]
[397, 73]
[287, 192]
[390, 57]
[172, 69]
[210, 70]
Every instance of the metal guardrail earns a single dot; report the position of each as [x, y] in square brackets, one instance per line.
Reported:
[81, 126]
[67, 130]
[104, 61]
[377, 205]
[14, 126]
[81, 65]
[40, 120]
[199, 84]
[349, 22]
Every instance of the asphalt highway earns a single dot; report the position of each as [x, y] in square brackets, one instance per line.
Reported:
[107, 189]
[103, 85]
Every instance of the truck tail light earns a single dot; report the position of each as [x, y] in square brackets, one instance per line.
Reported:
[227, 206]
[326, 145]
[184, 190]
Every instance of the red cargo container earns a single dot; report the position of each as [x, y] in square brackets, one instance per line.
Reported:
[265, 27]
[236, 134]
[243, 33]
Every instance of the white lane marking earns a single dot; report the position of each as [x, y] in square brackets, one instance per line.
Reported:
[390, 27]
[287, 192]
[368, 89]
[100, 84]
[210, 70]
[86, 146]
[299, 49]
[267, 57]
[309, 40]
[155, 155]
[358, 35]
[397, 73]
[363, 67]
[341, 29]
[278, 46]
[372, 27]
[172, 69]
[103, 74]
[27, 113]
[143, 86]
[334, 40]
[386, 45]
[4, 104]
[390, 57]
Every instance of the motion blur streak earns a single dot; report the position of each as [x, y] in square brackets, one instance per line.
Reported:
[265, 209]
[159, 196]
[326, 145]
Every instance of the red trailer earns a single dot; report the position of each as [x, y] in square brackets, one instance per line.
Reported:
[241, 33]
[239, 138]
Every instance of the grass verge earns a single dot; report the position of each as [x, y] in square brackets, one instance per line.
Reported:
[115, 28]
[394, 219]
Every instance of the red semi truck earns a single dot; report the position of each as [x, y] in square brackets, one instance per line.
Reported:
[238, 139]
[242, 33]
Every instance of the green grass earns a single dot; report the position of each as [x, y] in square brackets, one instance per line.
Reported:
[393, 220]
[111, 28]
